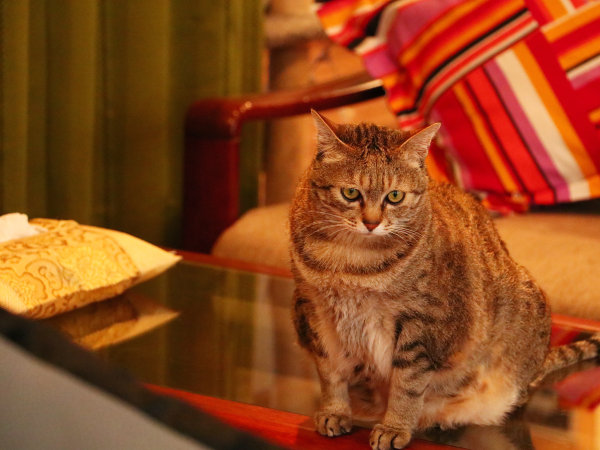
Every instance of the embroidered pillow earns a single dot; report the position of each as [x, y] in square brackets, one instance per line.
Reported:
[72, 265]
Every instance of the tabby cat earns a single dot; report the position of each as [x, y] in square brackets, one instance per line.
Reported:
[406, 296]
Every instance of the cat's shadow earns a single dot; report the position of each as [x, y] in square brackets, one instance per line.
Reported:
[542, 408]
[514, 434]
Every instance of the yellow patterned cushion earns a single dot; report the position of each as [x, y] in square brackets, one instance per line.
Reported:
[72, 265]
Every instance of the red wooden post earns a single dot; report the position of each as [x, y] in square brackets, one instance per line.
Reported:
[212, 141]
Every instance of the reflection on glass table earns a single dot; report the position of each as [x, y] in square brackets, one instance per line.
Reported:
[233, 339]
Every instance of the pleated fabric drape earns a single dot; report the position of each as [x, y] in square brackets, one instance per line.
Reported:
[93, 97]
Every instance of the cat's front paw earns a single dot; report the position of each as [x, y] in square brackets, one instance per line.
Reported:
[330, 424]
[386, 438]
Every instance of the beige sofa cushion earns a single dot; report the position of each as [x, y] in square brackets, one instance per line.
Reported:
[259, 236]
[562, 251]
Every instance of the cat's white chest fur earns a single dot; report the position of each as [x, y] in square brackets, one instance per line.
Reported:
[358, 331]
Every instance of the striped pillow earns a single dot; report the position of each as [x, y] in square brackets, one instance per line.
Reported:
[515, 83]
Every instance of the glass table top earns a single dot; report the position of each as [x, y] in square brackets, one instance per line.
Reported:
[232, 337]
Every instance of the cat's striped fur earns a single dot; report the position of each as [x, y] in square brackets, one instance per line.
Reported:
[414, 306]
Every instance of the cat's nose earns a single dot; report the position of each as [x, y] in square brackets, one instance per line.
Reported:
[371, 225]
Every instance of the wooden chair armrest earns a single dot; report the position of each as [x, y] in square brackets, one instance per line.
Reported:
[223, 117]
[212, 138]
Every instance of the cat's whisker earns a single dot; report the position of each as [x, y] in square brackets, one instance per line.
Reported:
[406, 235]
[314, 230]
[409, 231]
[329, 227]
[328, 214]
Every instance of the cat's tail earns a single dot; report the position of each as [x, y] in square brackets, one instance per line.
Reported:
[568, 354]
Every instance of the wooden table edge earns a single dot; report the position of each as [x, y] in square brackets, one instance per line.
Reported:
[236, 264]
[575, 322]
[289, 430]
[203, 258]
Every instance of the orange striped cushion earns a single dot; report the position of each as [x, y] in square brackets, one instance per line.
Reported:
[515, 83]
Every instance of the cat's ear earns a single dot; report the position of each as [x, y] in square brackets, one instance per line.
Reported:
[328, 143]
[416, 147]
[326, 129]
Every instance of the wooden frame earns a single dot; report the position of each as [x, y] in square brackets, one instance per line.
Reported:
[212, 145]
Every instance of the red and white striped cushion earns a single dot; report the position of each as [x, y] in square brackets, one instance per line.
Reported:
[515, 83]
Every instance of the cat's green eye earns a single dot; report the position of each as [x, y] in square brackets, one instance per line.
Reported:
[350, 194]
[395, 197]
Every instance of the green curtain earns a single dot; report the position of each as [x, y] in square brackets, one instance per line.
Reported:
[93, 96]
